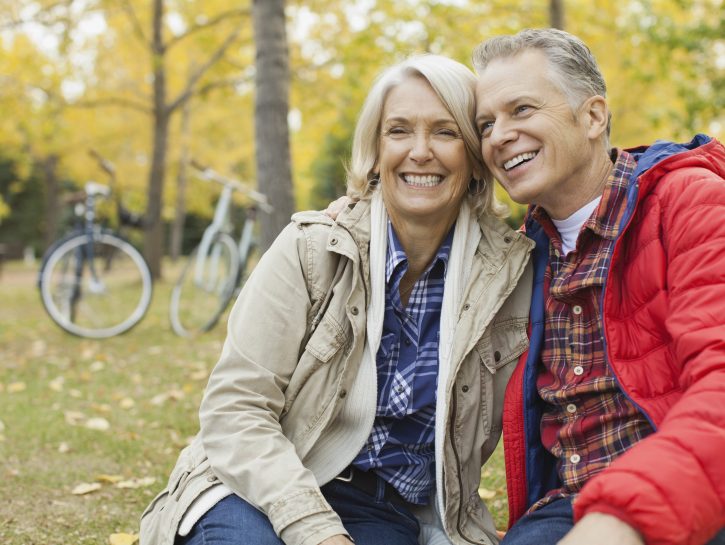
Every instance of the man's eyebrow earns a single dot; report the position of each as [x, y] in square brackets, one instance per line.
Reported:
[508, 104]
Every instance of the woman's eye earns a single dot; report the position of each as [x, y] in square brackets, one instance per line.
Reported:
[524, 108]
[450, 133]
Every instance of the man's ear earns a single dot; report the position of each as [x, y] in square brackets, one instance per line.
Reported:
[596, 116]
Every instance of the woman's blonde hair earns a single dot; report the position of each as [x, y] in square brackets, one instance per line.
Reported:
[455, 85]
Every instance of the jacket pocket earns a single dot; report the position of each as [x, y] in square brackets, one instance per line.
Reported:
[506, 343]
[323, 345]
[159, 521]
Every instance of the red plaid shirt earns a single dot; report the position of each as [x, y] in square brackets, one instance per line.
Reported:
[587, 420]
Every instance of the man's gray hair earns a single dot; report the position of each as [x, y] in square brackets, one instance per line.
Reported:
[575, 70]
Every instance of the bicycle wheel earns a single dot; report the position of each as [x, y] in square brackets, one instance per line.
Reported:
[205, 287]
[95, 286]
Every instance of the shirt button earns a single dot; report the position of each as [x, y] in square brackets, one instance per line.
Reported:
[578, 370]
[575, 458]
[576, 309]
[557, 253]
[407, 342]
[400, 389]
[571, 408]
[371, 448]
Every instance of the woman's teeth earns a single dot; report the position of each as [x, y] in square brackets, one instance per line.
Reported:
[422, 181]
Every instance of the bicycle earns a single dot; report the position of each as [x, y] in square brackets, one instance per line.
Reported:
[219, 265]
[93, 283]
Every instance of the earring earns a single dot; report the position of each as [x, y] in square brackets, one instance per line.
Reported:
[476, 187]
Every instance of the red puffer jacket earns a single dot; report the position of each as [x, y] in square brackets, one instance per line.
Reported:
[664, 329]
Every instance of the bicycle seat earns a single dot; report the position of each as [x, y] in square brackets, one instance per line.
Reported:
[94, 189]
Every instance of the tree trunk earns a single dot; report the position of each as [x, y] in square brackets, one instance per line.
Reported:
[49, 166]
[154, 228]
[556, 14]
[274, 176]
[177, 228]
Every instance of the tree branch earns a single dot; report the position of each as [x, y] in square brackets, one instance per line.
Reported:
[199, 72]
[135, 23]
[111, 101]
[219, 18]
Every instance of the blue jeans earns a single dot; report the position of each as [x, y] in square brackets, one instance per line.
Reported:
[369, 520]
[546, 526]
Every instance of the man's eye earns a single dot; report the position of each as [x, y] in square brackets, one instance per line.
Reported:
[485, 128]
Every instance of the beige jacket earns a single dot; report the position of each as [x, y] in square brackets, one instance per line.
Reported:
[289, 405]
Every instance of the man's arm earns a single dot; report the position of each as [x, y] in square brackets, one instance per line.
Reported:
[671, 485]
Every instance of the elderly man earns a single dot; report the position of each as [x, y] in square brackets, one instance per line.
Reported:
[614, 421]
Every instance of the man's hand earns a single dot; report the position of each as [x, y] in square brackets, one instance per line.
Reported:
[601, 529]
[337, 540]
[335, 207]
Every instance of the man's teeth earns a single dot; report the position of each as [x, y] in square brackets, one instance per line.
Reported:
[516, 161]
[422, 181]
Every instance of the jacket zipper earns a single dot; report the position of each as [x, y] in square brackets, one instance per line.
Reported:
[601, 304]
[459, 524]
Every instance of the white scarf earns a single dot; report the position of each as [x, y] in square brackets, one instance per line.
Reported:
[466, 237]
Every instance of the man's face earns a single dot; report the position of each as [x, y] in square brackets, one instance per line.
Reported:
[536, 145]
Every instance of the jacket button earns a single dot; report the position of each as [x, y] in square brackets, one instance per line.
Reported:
[497, 356]
[354, 311]
[466, 306]
[464, 388]
[507, 239]
[333, 241]
[211, 478]
[343, 393]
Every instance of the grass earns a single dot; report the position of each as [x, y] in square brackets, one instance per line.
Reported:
[141, 389]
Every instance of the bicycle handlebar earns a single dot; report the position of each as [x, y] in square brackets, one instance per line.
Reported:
[207, 173]
[104, 163]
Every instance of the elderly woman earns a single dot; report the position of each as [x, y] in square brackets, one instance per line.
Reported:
[359, 389]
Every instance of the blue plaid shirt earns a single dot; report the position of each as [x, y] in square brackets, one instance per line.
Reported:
[401, 446]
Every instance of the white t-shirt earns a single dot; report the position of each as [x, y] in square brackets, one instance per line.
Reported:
[569, 228]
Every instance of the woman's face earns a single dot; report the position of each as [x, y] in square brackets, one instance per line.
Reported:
[423, 165]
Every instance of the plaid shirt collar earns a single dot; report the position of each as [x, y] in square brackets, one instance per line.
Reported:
[396, 254]
[606, 220]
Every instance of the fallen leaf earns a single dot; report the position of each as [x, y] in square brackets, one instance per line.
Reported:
[486, 494]
[64, 447]
[97, 366]
[136, 483]
[15, 387]
[74, 417]
[99, 424]
[57, 384]
[110, 479]
[38, 348]
[126, 403]
[201, 374]
[85, 488]
[122, 539]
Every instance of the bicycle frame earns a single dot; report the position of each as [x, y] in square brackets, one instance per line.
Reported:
[220, 221]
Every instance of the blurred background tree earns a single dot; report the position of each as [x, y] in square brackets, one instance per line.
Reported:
[117, 76]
